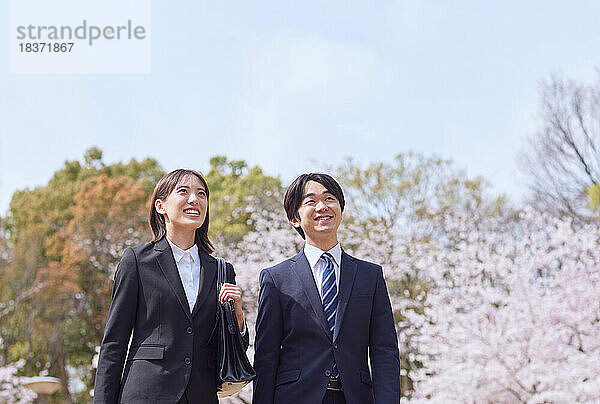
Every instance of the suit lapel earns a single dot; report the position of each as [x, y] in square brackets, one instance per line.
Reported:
[208, 273]
[167, 264]
[302, 269]
[347, 275]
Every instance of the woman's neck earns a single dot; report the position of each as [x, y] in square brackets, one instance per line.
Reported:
[182, 239]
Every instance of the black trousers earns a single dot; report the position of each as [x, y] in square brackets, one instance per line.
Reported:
[334, 397]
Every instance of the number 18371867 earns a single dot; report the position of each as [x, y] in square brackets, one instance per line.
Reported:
[39, 47]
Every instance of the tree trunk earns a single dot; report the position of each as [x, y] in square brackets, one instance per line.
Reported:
[64, 378]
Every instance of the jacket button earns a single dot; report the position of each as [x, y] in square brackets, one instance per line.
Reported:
[335, 346]
[187, 361]
[189, 330]
[328, 373]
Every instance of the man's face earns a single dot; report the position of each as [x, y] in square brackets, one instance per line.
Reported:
[320, 215]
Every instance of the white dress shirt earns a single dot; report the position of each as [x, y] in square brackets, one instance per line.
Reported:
[188, 265]
[317, 264]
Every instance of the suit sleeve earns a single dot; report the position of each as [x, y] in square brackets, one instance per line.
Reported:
[269, 331]
[121, 318]
[383, 346]
[231, 279]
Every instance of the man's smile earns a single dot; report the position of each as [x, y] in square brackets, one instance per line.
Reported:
[323, 219]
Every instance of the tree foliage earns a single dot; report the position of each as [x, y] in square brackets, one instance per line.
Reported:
[234, 187]
[62, 241]
[393, 211]
[514, 315]
[392, 215]
[12, 390]
[438, 234]
[65, 239]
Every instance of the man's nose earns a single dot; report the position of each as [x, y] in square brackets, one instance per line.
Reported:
[321, 205]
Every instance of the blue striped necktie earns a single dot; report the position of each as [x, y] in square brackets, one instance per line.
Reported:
[330, 295]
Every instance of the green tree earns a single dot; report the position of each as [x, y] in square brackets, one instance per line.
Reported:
[61, 242]
[236, 191]
[412, 191]
[393, 210]
[60, 235]
[593, 193]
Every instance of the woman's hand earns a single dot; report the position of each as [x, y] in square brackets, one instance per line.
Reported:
[233, 292]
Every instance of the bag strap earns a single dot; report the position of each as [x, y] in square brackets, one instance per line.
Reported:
[220, 280]
[229, 313]
[221, 273]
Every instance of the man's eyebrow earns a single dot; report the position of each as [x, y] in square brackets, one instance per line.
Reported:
[311, 194]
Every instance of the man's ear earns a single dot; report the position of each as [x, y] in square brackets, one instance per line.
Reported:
[158, 205]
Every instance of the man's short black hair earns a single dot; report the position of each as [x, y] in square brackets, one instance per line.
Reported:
[295, 194]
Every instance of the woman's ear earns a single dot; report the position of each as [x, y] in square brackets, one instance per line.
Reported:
[158, 205]
[295, 222]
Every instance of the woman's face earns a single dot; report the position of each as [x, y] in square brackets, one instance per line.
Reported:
[185, 208]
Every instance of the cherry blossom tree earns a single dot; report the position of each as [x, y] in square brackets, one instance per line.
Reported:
[401, 255]
[11, 386]
[272, 241]
[513, 315]
[275, 240]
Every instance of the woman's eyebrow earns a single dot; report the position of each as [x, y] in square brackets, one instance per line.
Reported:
[188, 187]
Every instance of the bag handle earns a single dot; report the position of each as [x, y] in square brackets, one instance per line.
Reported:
[221, 276]
[228, 306]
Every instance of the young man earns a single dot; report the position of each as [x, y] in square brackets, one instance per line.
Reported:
[320, 313]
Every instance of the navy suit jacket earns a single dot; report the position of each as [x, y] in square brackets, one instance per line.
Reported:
[295, 349]
[171, 349]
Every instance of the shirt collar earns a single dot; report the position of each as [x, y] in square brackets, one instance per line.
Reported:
[178, 253]
[313, 254]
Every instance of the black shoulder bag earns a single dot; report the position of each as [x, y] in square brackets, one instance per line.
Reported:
[233, 367]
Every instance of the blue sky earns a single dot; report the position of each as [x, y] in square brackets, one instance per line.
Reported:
[293, 86]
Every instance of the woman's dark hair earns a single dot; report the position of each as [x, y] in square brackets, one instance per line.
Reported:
[163, 189]
[295, 194]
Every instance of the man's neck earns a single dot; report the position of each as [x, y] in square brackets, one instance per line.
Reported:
[323, 244]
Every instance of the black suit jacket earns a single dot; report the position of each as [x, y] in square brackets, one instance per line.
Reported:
[295, 349]
[171, 349]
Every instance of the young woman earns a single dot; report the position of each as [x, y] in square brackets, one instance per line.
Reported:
[164, 300]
